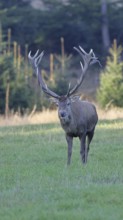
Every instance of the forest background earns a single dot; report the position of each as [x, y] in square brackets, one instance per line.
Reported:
[56, 27]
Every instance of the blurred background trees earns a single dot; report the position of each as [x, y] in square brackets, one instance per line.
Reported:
[82, 22]
[55, 26]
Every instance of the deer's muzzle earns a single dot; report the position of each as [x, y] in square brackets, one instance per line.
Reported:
[62, 114]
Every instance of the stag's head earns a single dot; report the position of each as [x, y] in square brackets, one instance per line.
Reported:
[64, 108]
[63, 102]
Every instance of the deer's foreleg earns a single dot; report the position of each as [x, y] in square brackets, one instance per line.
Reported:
[70, 143]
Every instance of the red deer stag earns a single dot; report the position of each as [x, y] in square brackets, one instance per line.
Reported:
[78, 118]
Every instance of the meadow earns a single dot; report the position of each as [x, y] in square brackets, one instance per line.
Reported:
[36, 183]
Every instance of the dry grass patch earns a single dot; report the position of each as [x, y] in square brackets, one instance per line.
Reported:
[48, 116]
[112, 113]
[43, 117]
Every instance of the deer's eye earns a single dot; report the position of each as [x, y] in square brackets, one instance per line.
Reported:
[68, 103]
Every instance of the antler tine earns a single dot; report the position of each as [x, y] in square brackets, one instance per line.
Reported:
[82, 50]
[82, 67]
[68, 89]
[79, 81]
[94, 59]
[33, 57]
[35, 61]
[88, 59]
[38, 58]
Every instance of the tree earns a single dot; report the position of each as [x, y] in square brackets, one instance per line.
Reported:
[111, 81]
[15, 88]
[22, 19]
[115, 15]
[79, 22]
[105, 28]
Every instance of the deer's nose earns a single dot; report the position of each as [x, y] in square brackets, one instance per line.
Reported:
[62, 114]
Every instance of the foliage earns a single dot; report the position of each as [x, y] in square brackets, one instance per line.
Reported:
[21, 94]
[22, 97]
[111, 81]
[115, 16]
[37, 184]
[76, 21]
[7, 74]
[60, 84]
[60, 81]
[21, 19]
[24, 91]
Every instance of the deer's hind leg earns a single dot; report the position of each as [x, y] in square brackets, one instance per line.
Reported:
[89, 139]
[83, 147]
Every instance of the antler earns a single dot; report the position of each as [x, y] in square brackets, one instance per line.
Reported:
[88, 59]
[35, 61]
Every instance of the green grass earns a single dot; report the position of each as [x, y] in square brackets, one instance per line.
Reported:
[36, 184]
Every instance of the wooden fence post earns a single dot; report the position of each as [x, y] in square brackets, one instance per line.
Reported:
[7, 99]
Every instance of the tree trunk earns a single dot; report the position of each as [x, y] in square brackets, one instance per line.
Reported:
[7, 100]
[105, 28]
[62, 54]
[51, 67]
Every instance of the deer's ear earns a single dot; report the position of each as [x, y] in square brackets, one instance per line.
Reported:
[54, 100]
[75, 98]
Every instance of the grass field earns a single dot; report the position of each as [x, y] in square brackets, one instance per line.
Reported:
[36, 184]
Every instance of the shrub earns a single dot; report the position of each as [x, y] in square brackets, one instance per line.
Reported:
[111, 80]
